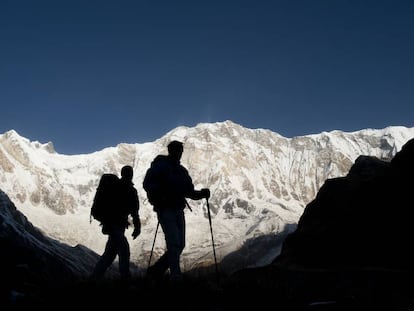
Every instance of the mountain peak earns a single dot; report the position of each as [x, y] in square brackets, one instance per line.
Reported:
[14, 138]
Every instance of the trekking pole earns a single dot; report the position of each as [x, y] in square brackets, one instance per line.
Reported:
[212, 239]
[153, 243]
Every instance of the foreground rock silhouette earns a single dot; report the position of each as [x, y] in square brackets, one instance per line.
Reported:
[353, 244]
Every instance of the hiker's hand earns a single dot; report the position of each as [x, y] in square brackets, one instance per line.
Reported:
[205, 192]
[136, 232]
[137, 228]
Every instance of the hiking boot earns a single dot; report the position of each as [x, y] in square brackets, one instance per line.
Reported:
[126, 276]
[176, 278]
[154, 273]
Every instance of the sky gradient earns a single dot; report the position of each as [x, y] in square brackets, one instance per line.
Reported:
[91, 74]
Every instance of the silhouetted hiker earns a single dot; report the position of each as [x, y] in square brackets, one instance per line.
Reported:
[168, 184]
[126, 203]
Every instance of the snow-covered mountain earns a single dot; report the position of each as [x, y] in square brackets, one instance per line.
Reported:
[260, 183]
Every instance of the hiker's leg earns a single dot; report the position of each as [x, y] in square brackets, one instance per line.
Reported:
[123, 252]
[161, 265]
[107, 257]
[173, 238]
[180, 219]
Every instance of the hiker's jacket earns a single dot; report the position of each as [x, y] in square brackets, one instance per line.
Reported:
[168, 184]
[128, 204]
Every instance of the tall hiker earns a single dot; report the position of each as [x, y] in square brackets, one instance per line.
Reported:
[123, 202]
[168, 184]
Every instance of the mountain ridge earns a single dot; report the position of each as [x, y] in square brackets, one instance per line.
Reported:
[260, 183]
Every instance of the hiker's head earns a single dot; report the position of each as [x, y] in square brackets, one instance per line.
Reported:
[175, 149]
[127, 172]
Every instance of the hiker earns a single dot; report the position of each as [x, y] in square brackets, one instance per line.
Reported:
[168, 184]
[126, 203]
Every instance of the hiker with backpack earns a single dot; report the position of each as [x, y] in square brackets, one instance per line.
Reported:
[168, 184]
[117, 199]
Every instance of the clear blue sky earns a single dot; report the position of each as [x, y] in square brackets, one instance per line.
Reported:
[89, 74]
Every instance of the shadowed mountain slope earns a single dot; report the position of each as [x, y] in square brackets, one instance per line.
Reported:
[353, 244]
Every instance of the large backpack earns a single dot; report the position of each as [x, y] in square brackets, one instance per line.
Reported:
[155, 181]
[106, 197]
[166, 183]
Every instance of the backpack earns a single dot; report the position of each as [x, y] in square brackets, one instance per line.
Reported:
[105, 198]
[154, 182]
[166, 183]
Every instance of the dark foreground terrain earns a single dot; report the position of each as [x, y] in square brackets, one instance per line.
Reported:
[267, 288]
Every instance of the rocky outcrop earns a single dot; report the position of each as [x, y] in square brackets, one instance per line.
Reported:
[30, 260]
[360, 220]
[352, 247]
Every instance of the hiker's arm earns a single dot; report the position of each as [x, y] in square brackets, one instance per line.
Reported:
[199, 194]
[136, 221]
[137, 227]
[193, 194]
[135, 218]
